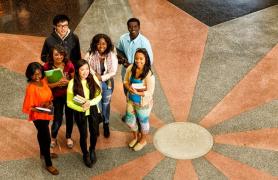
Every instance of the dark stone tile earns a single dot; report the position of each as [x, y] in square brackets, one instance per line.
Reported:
[34, 17]
[212, 12]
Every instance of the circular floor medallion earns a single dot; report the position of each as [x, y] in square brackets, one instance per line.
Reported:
[183, 140]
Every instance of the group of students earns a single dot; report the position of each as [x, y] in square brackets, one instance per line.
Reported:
[91, 78]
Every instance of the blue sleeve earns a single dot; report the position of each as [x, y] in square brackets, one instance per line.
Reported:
[120, 45]
[147, 45]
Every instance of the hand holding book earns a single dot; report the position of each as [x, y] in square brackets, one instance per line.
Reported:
[46, 107]
[122, 59]
[79, 100]
[63, 82]
[139, 87]
[86, 105]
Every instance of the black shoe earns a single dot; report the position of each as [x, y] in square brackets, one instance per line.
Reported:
[93, 156]
[87, 161]
[106, 130]
[123, 118]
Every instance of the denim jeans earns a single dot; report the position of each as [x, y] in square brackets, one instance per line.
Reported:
[106, 99]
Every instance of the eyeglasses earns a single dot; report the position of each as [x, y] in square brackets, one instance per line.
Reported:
[62, 26]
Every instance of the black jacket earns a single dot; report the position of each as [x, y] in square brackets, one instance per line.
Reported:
[71, 43]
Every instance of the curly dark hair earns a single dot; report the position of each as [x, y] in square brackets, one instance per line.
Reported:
[77, 86]
[95, 41]
[31, 68]
[147, 66]
[61, 50]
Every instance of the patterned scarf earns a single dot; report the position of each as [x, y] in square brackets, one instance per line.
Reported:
[94, 62]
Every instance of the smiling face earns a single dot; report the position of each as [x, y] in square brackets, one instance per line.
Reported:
[62, 28]
[101, 46]
[57, 57]
[84, 71]
[133, 28]
[140, 60]
[37, 75]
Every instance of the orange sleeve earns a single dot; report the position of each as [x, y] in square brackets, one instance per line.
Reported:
[28, 100]
[46, 83]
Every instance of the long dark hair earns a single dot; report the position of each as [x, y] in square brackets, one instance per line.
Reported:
[61, 50]
[77, 86]
[95, 41]
[147, 65]
[31, 68]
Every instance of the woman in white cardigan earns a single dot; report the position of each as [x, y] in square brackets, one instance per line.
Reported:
[140, 82]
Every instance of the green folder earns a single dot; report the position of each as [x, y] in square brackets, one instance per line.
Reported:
[54, 75]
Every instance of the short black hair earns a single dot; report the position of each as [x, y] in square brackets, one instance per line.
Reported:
[133, 20]
[60, 18]
[31, 68]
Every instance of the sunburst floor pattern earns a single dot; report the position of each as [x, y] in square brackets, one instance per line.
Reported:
[222, 78]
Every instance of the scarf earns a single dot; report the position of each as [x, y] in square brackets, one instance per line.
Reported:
[94, 62]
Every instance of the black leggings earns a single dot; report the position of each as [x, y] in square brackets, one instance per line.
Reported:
[43, 137]
[81, 122]
[59, 103]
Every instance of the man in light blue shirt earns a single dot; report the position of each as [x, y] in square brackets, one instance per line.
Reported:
[128, 44]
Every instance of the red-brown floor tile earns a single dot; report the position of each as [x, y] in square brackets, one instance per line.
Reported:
[259, 86]
[17, 51]
[234, 169]
[19, 139]
[263, 138]
[178, 45]
[185, 170]
[155, 122]
[135, 169]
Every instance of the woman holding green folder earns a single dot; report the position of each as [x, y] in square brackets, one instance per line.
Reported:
[58, 60]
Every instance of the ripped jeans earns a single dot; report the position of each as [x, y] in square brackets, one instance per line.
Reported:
[107, 90]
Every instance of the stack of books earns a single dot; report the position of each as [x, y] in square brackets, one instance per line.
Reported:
[79, 100]
[138, 86]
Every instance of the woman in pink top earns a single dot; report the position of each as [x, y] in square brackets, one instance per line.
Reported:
[103, 63]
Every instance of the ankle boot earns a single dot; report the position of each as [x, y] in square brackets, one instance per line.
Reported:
[87, 160]
[93, 156]
[106, 130]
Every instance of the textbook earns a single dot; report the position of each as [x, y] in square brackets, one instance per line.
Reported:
[79, 100]
[138, 86]
[43, 109]
[54, 75]
[121, 57]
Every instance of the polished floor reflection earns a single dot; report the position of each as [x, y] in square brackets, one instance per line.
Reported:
[213, 12]
[34, 17]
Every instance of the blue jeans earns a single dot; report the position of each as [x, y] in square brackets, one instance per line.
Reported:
[106, 99]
